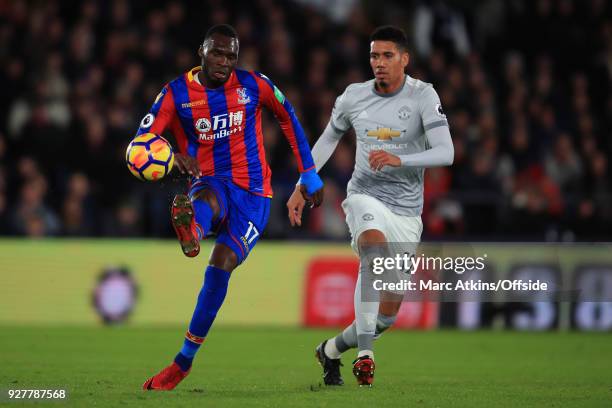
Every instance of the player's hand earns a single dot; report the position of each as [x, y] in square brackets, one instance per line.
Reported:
[187, 164]
[295, 205]
[313, 200]
[311, 187]
[380, 158]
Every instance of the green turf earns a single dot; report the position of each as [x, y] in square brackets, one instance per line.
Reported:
[275, 367]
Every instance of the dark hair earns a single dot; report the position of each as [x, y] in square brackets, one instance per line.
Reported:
[391, 33]
[223, 29]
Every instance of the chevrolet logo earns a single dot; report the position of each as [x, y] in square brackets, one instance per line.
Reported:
[384, 133]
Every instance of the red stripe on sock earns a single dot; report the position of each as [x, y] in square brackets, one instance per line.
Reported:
[194, 339]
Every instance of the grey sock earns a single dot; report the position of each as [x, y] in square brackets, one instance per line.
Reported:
[366, 300]
[368, 324]
[383, 323]
[347, 339]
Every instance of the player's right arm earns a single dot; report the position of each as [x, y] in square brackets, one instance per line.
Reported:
[338, 125]
[161, 114]
[321, 152]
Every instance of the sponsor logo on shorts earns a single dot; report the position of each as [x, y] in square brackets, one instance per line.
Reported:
[367, 217]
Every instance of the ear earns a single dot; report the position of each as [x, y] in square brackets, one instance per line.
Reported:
[405, 59]
[201, 52]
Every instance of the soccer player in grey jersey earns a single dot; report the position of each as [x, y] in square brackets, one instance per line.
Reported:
[401, 129]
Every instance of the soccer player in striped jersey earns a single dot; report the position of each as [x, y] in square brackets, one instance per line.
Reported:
[214, 113]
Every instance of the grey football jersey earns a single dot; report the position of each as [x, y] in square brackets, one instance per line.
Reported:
[395, 123]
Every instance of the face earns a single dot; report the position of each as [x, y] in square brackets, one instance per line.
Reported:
[387, 62]
[219, 56]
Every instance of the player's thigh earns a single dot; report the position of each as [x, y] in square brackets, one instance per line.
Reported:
[363, 213]
[214, 192]
[401, 228]
[248, 217]
[402, 233]
[404, 236]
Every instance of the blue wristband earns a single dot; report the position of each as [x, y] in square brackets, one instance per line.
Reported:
[311, 180]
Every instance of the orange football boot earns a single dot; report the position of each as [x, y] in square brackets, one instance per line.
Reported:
[166, 379]
[184, 224]
[363, 370]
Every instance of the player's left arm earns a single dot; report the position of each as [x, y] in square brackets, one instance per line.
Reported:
[273, 98]
[441, 151]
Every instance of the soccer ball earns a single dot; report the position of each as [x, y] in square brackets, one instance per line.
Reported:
[149, 157]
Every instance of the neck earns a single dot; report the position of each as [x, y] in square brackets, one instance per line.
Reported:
[390, 87]
[206, 81]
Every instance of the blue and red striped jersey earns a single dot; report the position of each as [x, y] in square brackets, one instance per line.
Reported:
[222, 127]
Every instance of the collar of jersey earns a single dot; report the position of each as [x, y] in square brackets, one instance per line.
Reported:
[192, 81]
[389, 95]
[192, 73]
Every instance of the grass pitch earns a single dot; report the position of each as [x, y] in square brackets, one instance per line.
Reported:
[240, 367]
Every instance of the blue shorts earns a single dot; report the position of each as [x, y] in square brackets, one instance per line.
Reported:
[243, 216]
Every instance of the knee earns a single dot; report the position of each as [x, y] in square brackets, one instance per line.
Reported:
[372, 245]
[223, 257]
[371, 237]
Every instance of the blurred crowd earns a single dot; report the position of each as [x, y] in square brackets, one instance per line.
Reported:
[525, 85]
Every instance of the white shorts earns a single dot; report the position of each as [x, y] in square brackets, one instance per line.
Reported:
[403, 232]
[365, 213]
